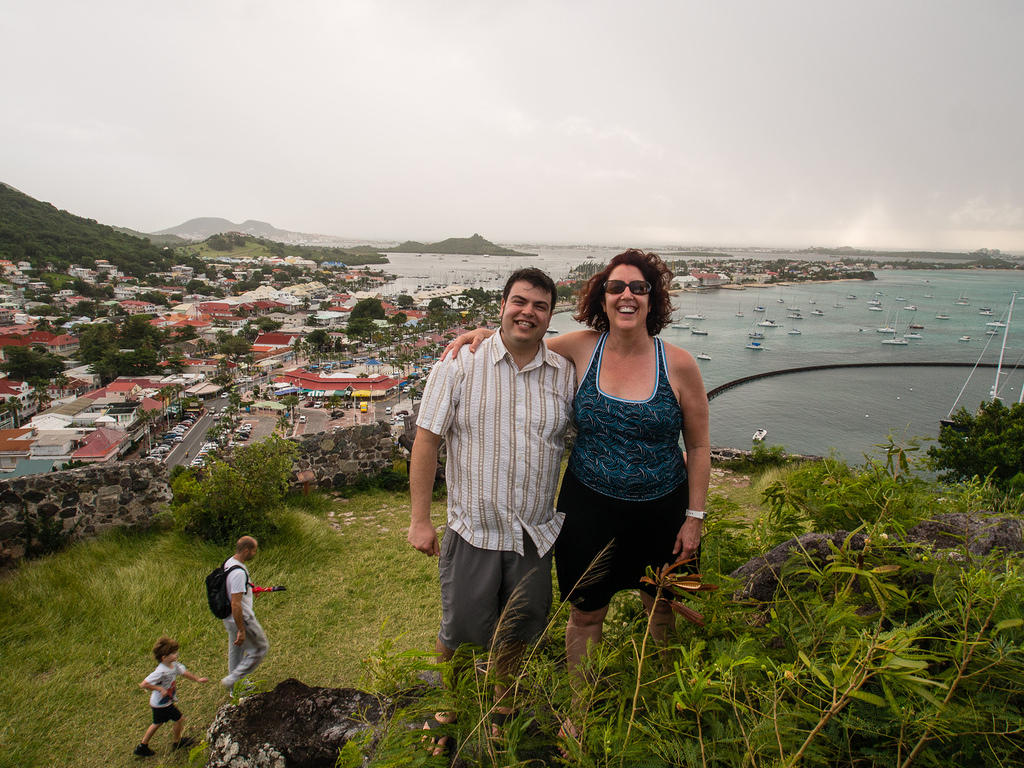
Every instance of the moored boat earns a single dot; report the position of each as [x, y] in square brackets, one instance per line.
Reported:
[759, 434]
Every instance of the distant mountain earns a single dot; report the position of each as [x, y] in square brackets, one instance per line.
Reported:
[202, 228]
[41, 234]
[470, 246]
[171, 240]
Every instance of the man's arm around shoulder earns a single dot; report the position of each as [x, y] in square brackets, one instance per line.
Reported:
[422, 469]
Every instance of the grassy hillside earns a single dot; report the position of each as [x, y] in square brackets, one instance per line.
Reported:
[880, 654]
[76, 628]
[41, 234]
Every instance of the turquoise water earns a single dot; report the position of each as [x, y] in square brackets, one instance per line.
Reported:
[849, 411]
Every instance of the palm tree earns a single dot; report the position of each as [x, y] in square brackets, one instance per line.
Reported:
[283, 423]
[12, 406]
[290, 401]
[42, 397]
[146, 419]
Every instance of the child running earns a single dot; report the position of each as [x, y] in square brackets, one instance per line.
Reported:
[162, 681]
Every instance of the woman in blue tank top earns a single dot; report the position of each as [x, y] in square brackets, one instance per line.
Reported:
[630, 499]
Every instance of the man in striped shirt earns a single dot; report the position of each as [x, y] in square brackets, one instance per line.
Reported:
[503, 412]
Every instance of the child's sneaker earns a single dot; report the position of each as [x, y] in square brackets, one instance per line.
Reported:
[185, 741]
[143, 750]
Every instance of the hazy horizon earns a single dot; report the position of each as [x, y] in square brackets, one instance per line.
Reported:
[784, 125]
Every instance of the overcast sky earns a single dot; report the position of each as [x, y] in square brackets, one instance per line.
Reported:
[875, 124]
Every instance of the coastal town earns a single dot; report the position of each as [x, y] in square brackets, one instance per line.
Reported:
[235, 339]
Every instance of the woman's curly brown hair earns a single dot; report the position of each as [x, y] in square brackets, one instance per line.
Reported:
[590, 308]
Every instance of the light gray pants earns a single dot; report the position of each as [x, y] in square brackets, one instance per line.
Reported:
[244, 658]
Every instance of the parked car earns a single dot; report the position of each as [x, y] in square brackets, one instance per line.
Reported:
[302, 419]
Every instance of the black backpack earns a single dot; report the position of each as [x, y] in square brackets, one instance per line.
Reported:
[217, 590]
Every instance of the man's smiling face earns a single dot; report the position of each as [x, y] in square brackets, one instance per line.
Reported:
[525, 314]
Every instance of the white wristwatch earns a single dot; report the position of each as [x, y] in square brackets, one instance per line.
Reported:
[697, 513]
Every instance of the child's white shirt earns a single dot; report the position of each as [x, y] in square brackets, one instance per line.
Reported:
[166, 677]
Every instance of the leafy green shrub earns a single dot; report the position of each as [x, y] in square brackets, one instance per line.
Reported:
[988, 443]
[881, 657]
[387, 480]
[226, 500]
[829, 495]
[761, 457]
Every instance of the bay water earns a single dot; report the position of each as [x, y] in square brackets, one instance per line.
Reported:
[846, 411]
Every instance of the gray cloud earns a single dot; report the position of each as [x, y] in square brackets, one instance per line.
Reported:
[782, 123]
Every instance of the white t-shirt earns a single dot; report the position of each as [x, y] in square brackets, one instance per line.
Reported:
[165, 677]
[238, 581]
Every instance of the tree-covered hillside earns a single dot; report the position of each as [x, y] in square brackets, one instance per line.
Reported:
[474, 245]
[41, 234]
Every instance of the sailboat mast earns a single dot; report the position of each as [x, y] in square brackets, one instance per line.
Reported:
[1002, 349]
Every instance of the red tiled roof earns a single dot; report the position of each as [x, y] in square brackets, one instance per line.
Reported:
[100, 442]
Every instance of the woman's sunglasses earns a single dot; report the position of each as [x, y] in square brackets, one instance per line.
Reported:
[636, 287]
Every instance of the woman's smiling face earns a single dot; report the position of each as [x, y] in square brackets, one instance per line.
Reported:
[626, 310]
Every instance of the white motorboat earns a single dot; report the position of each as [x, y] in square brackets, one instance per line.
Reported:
[794, 332]
[768, 324]
[756, 345]
[703, 356]
[760, 434]
[698, 332]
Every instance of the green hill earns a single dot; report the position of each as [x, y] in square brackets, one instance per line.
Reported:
[41, 234]
[238, 246]
[475, 245]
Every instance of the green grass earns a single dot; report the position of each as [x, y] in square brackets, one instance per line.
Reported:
[76, 628]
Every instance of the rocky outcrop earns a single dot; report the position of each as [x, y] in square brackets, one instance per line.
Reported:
[293, 726]
[40, 512]
[340, 458]
[954, 533]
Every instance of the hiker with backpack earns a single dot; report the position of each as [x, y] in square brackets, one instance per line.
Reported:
[247, 642]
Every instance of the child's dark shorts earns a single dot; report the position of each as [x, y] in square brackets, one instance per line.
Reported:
[164, 714]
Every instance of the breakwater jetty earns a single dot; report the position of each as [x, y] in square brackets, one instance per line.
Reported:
[713, 393]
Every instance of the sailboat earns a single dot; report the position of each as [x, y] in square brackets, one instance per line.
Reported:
[994, 391]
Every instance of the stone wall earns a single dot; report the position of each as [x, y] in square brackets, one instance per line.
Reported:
[39, 512]
[341, 457]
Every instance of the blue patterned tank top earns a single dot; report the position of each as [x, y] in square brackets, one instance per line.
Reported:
[628, 449]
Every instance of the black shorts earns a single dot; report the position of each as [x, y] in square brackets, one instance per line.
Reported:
[631, 535]
[165, 714]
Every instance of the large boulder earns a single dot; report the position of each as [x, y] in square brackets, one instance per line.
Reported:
[292, 726]
[978, 532]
